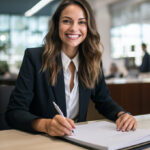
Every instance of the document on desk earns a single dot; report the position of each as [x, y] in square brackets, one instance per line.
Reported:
[103, 135]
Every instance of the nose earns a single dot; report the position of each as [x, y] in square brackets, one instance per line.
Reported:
[74, 26]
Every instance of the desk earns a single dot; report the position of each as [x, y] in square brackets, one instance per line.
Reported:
[7, 81]
[18, 140]
[129, 93]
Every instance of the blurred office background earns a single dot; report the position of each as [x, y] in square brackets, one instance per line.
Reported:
[122, 24]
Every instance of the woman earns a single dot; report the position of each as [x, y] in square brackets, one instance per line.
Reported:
[67, 71]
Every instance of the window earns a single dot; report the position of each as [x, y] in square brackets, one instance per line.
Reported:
[17, 33]
[126, 41]
[130, 27]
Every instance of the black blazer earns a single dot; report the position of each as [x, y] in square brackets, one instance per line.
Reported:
[32, 97]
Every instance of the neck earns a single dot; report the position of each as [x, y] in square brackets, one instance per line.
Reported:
[70, 52]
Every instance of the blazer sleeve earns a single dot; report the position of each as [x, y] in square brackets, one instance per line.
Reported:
[18, 115]
[103, 101]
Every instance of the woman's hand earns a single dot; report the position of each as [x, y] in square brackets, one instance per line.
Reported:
[126, 122]
[59, 126]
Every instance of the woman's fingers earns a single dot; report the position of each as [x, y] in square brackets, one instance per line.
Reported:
[126, 123]
[63, 121]
[132, 126]
[121, 120]
[71, 122]
[60, 126]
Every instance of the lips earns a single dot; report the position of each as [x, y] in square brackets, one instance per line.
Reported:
[73, 36]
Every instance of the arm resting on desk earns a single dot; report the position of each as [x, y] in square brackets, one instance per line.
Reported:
[103, 101]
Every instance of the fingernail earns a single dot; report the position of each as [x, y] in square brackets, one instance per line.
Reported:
[118, 129]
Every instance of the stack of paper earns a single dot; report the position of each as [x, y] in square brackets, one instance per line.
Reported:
[103, 135]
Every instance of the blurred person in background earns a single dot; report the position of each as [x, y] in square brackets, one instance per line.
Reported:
[145, 66]
[114, 72]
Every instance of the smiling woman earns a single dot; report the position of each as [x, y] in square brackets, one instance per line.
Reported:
[77, 18]
[67, 71]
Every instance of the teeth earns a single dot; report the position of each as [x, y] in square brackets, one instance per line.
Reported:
[73, 36]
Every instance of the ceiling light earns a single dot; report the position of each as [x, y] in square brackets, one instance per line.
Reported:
[37, 7]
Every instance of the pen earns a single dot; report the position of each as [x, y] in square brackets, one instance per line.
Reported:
[59, 111]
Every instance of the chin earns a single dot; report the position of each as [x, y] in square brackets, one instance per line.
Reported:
[74, 44]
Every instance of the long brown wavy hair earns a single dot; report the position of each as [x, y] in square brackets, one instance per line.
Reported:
[89, 50]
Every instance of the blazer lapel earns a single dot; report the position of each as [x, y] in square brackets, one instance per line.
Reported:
[59, 92]
[60, 99]
[84, 97]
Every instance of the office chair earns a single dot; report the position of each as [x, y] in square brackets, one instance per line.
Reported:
[5, 92]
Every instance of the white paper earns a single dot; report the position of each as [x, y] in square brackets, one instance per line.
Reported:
[103, 135]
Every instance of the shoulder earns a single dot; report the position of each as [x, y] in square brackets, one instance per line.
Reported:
[34, 55]
[37, 51]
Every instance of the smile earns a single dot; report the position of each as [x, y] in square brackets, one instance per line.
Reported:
[73, 36]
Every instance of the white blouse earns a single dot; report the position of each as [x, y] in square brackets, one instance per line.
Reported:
[72, 97]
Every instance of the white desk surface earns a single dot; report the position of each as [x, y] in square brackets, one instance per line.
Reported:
[18, 140]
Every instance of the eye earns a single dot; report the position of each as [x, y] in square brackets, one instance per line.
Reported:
[82, 22]
[66, 21]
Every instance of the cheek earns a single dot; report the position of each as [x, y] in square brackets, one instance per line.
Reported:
[62, 30]
[84, 30]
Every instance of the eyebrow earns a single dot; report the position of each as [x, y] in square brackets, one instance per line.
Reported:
[71, 18]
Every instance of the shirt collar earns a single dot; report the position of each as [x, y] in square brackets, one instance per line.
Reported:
[66, 61]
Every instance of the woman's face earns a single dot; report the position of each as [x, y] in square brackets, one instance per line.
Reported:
[72, 26]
